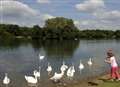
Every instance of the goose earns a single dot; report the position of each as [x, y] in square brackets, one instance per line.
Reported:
[37, 73]
[6, 80]
[41, 57]
[81, 66]
[90, 62]
[57, 76]
[49, 68]
[31, 79]
[63, 67]
[70, 72]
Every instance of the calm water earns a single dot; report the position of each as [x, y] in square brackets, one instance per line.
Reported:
[20, 57]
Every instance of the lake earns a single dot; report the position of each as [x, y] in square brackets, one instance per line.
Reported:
[21, 57]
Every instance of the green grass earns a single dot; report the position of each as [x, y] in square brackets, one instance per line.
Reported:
[110, 84]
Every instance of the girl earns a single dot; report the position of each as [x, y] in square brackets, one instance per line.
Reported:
[114, 66]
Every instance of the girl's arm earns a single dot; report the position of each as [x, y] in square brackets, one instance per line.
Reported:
[107, 61]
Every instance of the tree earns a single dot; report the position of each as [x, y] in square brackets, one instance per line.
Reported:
[59, 23]
[36, 32]
[13, 29]
[117, 34]
[60, 28]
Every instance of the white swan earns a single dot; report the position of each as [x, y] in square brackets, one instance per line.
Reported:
[76, 39]
[73, 69]
[57, 76]
[41, 57]
[70, 72]
[37, 73]
[6, 80]
[63, 67]
[31, 79]
[49, 68]
[90, 62]
[81, 66]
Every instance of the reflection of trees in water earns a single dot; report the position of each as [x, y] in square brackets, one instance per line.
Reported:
[51, 47]
[36, 44]
[56, 47]
[60, 48]
[12, 43]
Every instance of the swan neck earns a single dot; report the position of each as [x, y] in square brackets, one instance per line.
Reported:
[62, 72]
[36, 77]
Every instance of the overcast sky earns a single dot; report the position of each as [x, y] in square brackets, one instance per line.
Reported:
[102, 14]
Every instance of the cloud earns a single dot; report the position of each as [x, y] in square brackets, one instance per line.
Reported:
[16, 12]
[108, 15]
[7, 0]
[76, 23]
[103, 16]
[90, 5]
[85, 24]
[82, 23]
[98, 9]
[97, 24]
[47, 16]
[12, 8]
[43, 1]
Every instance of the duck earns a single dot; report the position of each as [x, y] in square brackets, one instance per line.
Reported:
[57, 76]
[31, 79]
[81, 66]
[63, 67]
[90, 62]
[49, 68]
[70, 72]
[37, 73]
[6, 79]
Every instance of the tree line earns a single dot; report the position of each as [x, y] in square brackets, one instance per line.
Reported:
[55, 28]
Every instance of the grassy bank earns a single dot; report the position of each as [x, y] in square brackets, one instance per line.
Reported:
[101, 81]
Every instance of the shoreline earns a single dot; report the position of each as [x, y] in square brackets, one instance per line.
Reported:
[90, 81]
[96, 81]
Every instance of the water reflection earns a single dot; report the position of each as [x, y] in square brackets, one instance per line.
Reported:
[51, 47]
[19, 57]
[60, 48]
[12, 43]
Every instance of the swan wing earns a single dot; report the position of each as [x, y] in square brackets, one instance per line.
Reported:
[6, 80]
[81, 66]
[31, 79]
[49, 68]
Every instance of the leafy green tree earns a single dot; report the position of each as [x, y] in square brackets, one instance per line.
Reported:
[13, 29]
[117, 34]
[55, 28]
[60, 28]
[36, 32]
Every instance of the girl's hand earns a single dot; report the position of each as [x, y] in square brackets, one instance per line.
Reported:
[107, 61]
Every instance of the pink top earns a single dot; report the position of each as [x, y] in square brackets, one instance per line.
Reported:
[113, 62]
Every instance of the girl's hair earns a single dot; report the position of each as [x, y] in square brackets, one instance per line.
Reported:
[110, 53]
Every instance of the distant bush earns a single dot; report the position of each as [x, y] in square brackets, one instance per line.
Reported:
[56, 28]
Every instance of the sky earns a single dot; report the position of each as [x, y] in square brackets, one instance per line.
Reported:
[86, 14]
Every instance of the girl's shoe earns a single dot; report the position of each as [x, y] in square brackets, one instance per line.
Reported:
[118, 79]
[112, 80]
